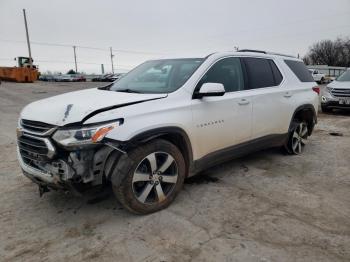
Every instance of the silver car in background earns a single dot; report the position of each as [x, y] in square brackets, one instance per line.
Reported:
[337, 93]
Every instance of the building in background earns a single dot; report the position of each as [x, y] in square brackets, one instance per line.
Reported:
[329, 71]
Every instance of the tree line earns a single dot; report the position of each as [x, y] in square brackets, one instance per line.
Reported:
[329, 52]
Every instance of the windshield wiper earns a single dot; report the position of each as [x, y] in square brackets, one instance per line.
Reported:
[127, 90]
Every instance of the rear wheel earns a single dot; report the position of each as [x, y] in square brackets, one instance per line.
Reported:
[149, 177]
[297, 138]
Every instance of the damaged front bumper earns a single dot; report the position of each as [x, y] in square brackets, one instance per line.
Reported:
[52, 167]
[34, 174]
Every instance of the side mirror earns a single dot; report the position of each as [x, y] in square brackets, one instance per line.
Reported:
[211, 89]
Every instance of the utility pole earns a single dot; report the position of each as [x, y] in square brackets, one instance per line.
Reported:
[102, 69]
[112, 59]
[75, 59]
[28, 42]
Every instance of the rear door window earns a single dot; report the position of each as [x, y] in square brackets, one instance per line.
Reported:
[261, 73]
[300, 70]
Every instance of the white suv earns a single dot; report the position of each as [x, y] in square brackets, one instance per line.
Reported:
[317, 76]
[167, 120]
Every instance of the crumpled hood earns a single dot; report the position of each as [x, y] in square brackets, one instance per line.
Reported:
[75, 106]
[340, 84]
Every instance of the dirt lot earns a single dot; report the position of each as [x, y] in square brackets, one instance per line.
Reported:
[263, 207]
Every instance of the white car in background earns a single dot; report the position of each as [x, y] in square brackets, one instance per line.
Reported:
[337, 93]
[317, 76]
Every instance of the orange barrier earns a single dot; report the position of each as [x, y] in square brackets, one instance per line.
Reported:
[18, 74]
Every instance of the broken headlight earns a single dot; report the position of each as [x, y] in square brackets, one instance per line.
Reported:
[85, 135]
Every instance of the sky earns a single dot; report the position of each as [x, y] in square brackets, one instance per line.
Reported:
[143, 30]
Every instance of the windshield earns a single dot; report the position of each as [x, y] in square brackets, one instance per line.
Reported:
[157, 76]
[344, 76]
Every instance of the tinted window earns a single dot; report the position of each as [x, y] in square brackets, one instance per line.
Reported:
[276, 73]
[300, 70]
[228, 72]
[259, 72]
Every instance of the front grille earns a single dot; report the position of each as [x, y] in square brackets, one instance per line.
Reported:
[35, 126]
[32, 149]
[338, 92]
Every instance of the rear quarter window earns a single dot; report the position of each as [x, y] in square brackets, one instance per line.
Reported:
[300, 70]
[261, 72]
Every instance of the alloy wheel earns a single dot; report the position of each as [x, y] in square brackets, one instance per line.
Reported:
[299, 138]
[155, 178]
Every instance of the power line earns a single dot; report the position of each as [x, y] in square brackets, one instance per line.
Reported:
[66, 62]
[156, 53]
[83, 47]
[71, 62]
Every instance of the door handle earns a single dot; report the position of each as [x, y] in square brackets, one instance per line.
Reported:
[287, 94]
[243, 102]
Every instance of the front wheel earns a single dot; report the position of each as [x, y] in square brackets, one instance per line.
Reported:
[149, 177]
[297, 138]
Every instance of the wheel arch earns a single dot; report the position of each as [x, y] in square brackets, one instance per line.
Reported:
[173, 134]
[305, 112]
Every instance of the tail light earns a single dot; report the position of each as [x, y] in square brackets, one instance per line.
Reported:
[316, 89]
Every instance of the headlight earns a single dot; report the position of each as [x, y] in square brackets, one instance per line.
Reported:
[85, 135]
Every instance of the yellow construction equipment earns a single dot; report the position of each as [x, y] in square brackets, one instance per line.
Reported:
[24, 73]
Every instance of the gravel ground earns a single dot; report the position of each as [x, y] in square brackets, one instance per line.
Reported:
[263, 207]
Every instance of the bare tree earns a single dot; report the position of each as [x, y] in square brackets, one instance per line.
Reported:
[328, 52]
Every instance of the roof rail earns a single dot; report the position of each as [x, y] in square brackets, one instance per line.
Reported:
[252, 50]
[271, 53]
[264, 52]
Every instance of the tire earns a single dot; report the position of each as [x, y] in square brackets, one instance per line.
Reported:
[326, 109]
[297, 138]
[148, 178]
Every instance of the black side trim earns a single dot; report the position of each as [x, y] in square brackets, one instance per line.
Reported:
[239, 150]
[245, 74]
[201, 95]
[154, 133]
[301, 108]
